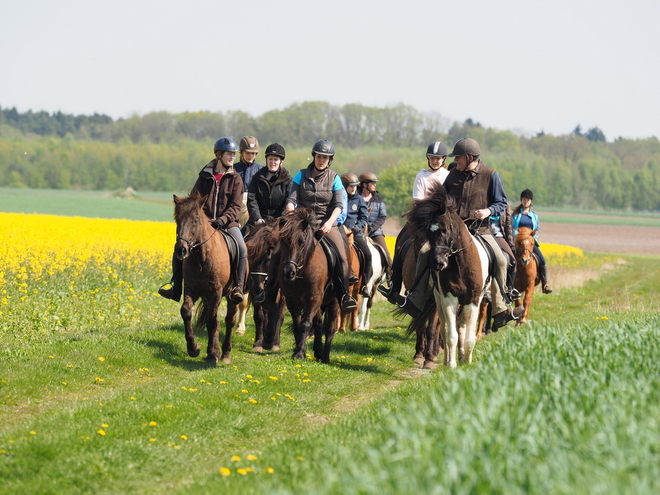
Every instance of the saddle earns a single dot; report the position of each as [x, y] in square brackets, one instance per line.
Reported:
[232, 247]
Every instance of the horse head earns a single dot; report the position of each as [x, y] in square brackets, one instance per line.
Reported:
[434, 220]
[262, 244]
[296, 241]
[192, 224]
[524, 244]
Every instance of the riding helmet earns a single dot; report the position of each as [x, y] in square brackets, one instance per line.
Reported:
[225, 144]
[349, 179]
[436, 149]
[527, 193]
[249, 143]
[323, 147]
[368, 177]
[466, 146]
[275, 149]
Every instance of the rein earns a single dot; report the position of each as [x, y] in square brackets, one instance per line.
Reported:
[193, 245]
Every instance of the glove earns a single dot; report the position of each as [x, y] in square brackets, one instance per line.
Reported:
[355, 230]
[218, 223]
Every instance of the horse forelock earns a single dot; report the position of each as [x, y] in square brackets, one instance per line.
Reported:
[428, 213]
[184, 207]
[262, 240]
[296, 233]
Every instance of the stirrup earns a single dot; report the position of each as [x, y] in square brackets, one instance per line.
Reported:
[514, 294]
[236, 295]
[386, 291]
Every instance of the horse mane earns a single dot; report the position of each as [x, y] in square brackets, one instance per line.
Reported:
[262, 239]
[184, 206]
[427, 211]
[296, 233]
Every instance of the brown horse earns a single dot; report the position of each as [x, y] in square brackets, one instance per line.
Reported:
[206, 276]
[459, 274]
[527, 274]
[303, 277]
[261, 245]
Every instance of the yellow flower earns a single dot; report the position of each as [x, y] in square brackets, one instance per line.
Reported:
[101, 432]
[253, 401]
[248, 376]
[152, 423]
[269, 470]
[183, 437]
[105, 425]
[101, 359]
[241, 471]
[100, 380]
[33, 432]
[235, 458]
[300, 458]
[273, 377]
[152, 439]
[252, 457]
[132, 398]
[244, 391]
[225, 471]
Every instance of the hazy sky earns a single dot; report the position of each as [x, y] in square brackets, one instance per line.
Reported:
[523, 65]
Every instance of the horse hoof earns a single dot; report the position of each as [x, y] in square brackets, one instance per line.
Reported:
[258, 348]
[193, 352]
[240, 331]
[226, 360]
[418, 359]
[275, 348]
[211, 360]
[430, 365]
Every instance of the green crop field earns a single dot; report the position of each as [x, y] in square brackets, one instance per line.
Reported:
[97, 393]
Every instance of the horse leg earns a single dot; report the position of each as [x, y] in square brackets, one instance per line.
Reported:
[305, 324]
[230, 321]
[317, 328]
[362, 313]
[469, 319]
[420, 347]
[341, 327]
[329, 331]
[242, 313]
[212, 328]
[448, 307]
[276, 318]
[432, 337]
[186, 315]
[260, 321]
[529, 294]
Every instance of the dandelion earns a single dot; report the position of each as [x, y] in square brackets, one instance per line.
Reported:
[273, 378]
[51, 357]
[249, 470]
[269, 470]
[85, 437]
[241, 471]
[101, 359]
[244, 391]
[101, 432]
[253, 401]
[33, 432]
[98, 379]
[105, 425]
[252, 457]
[63, 383]
[2, 452]
[248, 376]
[235, 458]
[152, 440]
[183, 437]
[225, 471]
[132, 398]
[300, 458]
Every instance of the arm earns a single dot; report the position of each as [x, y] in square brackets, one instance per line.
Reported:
[253, 203]
[380, 220]
[496, 199]
[292, 200]
[361, 217]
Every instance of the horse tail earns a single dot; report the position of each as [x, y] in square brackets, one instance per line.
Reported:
[202, 315]
[425, 318]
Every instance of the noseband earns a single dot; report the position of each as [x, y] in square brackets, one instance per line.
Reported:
[192, 245]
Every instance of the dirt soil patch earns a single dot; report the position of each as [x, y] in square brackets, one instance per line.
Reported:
[619, 239]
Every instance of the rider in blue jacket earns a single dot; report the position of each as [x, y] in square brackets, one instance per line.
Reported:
[524, 216]
[356, 221]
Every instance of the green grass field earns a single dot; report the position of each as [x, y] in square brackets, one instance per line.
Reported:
[97, 394]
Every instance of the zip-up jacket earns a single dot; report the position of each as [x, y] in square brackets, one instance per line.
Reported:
[266, 198]
[225, 197]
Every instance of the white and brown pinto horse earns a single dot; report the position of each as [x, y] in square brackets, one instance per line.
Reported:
[459, 274]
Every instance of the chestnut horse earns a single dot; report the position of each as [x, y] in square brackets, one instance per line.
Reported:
[353, 291]
[459, 274]
[206, 276]
[527, 273]
[303, 278]
[261, 245]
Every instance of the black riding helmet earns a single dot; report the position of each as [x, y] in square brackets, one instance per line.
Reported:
[466, 146]
[275, 149]
[527, 193]
[324, 147]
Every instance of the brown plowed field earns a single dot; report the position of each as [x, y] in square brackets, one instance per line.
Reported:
[619, 239]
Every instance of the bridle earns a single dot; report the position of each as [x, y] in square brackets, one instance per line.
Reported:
[450, 248]
[192, 245]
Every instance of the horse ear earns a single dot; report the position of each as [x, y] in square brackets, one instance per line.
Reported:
[533, 233]
[177, 199]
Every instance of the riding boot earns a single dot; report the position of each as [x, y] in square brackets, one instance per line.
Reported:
[395, 281]
[510, 277]
[176, 282]
[366, 276]
[543, 274]
[236, 294]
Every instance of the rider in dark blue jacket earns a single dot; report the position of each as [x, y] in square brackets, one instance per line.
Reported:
[356, 221]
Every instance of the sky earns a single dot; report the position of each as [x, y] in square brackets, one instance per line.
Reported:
[520, 65]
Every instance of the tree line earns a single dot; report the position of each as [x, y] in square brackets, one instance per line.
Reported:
[164, 152]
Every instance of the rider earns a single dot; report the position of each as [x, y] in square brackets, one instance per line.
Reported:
[269, 189]
[356, 221]
[222, 186]
[376, 213]
[436, 154]
[478, 194]
[320, 188]
[524, 216]
[247, 167]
